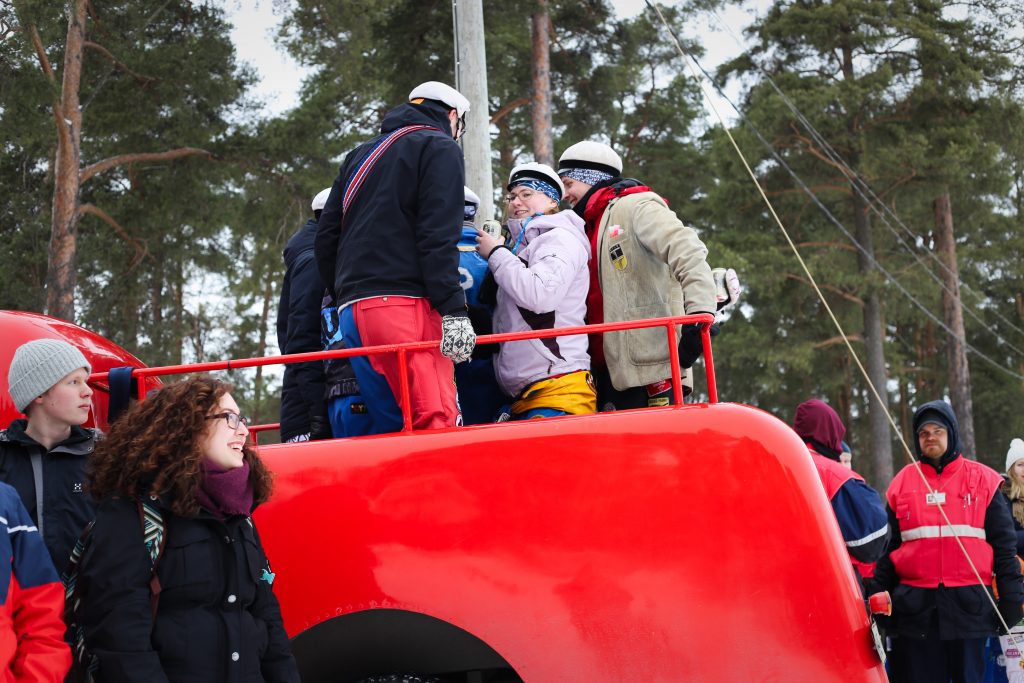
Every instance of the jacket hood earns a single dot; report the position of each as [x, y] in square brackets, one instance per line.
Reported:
[301, 241]
[941, 412]
[428, 114]
[817, 422]
[537, 225]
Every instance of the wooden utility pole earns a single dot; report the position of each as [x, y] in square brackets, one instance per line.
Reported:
[471, 81]
[953, 315]
[543, 142]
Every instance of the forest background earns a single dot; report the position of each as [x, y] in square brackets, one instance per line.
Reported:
[147, 195]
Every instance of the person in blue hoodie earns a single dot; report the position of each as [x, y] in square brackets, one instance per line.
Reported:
[480, 397]
[303, 407]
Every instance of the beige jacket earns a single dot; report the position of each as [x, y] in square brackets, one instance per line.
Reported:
[651, 265]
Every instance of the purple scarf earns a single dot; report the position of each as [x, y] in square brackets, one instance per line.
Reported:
[226, 492]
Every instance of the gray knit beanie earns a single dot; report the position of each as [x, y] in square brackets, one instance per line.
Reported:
[38, 365]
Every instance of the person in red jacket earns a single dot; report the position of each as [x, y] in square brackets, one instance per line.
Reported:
[941, 616]
[857, 506]
[32, 647]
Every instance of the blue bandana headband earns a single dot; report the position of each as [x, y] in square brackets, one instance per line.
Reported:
[588, 176]
[539, 186]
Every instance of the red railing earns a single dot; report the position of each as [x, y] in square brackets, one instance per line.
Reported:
[705, 320]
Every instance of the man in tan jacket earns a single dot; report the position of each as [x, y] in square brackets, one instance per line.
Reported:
[646, 264]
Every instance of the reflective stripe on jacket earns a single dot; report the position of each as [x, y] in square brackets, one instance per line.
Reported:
[929, 554]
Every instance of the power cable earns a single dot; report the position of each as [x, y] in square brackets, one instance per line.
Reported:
[862, 188]
[691, 62]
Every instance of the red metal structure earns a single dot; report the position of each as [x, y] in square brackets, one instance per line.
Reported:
[19, 327]
[686, 543]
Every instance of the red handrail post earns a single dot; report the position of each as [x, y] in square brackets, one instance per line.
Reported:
[709, 363]
[141, 384]
[403, 369]
[673, 362]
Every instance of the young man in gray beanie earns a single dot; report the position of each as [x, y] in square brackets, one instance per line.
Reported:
[646, 264]
[44, 457]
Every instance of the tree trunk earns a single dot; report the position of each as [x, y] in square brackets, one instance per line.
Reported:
[60, 275]
[953, 315]
[543, 144]
[881, 438]
[874, 336]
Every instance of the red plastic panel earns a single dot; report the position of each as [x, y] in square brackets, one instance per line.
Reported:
[19, 327]
[691, 543]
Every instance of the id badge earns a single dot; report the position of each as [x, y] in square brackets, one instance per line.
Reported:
[936, 498]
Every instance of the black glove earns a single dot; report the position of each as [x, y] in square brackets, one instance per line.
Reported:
[320, 428]
[1012, 612]
[690, 344]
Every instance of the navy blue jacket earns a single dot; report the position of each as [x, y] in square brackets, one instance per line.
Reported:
[298, 331]
[67, 509]
[862, 520]
[401, 233]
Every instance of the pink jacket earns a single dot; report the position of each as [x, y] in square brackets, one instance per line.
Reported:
[542, 285]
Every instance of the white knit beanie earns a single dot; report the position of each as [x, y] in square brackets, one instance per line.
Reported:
[38, 365]
[1015, 453]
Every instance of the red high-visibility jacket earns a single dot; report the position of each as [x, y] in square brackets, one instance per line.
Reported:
[929, 554]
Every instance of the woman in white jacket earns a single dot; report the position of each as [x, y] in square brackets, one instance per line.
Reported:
[542, 280]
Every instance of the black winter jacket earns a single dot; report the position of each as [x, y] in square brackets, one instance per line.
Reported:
[1017, 527]
[298, 331]
[401, 233]
[66, 508]
[217, 620]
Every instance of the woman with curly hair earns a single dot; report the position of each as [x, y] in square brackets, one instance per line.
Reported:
[214, 617]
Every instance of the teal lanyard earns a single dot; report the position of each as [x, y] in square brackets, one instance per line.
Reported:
[522, 231]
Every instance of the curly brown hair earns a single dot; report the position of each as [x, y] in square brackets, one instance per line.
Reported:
[153, 449]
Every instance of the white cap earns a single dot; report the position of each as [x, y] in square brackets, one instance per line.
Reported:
[536, 171]
[1015, 453]
[320, 200]
[471, 197]
[435, 90]
[588, 154]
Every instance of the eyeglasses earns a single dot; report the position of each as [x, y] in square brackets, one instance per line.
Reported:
[233, 419]
[523, 196]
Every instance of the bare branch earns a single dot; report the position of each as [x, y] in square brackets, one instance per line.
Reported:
[122, 159]
[830, 288]
[44, 61]
[508, 109]
[6, 27]
[142, 80]
[140, 249]
[827, 245]
[833, 341]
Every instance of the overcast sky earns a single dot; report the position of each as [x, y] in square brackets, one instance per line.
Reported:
[255, 22]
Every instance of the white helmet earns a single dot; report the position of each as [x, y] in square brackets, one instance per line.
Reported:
[471, 197]
[588, 154]
[435, 90]
[536, 171]
[320, 200]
